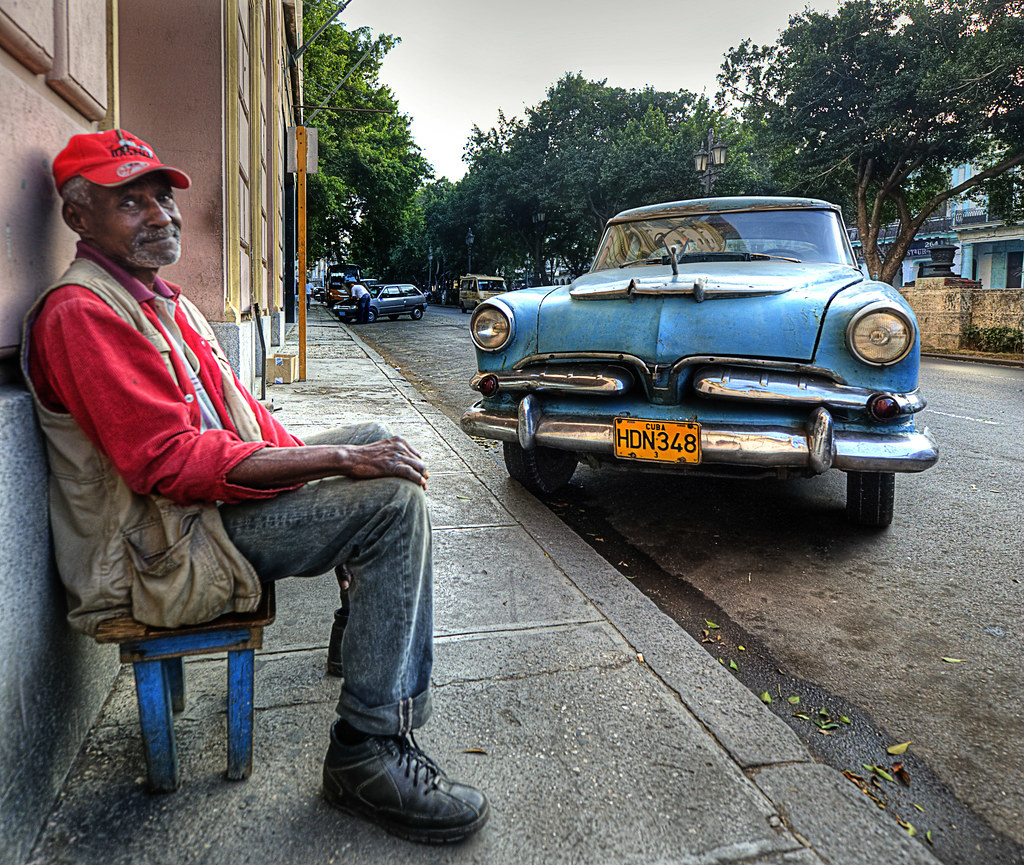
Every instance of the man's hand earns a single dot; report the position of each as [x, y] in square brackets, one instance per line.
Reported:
[391, 457]
[281, 467]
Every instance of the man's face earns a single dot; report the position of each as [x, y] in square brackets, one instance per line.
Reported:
[136, 225]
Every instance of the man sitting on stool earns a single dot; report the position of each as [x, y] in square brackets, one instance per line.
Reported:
[175, 493]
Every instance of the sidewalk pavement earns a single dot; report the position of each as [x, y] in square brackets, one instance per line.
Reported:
[599, 729]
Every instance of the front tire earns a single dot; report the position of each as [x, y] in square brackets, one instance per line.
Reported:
[371, 315]
[869, 498]
[542, 471]
[463, 308]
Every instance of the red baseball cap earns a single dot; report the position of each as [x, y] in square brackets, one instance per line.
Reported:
[111, 158]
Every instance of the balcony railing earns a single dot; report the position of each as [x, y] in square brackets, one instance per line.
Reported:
[971, 217]
[932, 226]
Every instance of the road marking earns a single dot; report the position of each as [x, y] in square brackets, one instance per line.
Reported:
[964, 417]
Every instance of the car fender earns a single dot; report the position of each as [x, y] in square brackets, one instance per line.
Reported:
[832, 352]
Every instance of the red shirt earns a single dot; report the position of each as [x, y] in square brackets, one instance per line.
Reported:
[87, 361]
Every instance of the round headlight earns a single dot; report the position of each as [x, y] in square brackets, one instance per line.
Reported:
[880, 334]
[492, 326]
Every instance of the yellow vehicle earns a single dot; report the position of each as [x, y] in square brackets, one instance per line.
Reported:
[474, 288]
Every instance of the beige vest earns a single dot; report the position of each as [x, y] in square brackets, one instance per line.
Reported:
[120, 552]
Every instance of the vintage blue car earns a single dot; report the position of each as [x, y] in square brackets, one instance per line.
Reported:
[721, 336]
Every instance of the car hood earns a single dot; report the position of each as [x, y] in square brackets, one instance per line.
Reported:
[764, 309]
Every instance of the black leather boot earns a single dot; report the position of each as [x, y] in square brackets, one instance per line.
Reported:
[391, 782]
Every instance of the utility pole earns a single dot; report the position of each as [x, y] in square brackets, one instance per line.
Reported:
[300, 210]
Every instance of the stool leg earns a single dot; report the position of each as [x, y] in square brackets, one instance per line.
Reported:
[240, 713]
[154, 697]
[174, 669]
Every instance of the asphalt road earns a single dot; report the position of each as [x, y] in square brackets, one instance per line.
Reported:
[854, 623]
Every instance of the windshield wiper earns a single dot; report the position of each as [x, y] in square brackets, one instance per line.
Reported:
[715, 256]
[697, 257]
[651, 259]
[761, 256]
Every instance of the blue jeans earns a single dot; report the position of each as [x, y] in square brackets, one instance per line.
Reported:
[380, 529]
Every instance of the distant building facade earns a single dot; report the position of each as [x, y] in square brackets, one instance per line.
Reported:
[988, 250]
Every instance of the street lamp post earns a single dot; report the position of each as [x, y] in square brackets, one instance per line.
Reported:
[538, 262]
[469, 248]
[708, 161]
[430, 269]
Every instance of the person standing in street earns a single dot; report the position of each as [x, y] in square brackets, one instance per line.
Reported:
[175, 494]
[362, 298]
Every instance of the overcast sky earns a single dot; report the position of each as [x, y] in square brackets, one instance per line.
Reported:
[460, 61]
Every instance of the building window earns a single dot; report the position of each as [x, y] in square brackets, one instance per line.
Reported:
[1014, 269]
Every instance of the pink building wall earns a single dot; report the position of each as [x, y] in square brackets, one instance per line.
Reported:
[172, 96]
[53, 83]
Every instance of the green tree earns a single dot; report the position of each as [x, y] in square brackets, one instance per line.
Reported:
[875, 104]
[360, 203]
[540, 189]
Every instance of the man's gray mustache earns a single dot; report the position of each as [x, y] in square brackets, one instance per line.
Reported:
[149, 237]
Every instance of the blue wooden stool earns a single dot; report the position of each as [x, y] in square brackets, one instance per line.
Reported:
[156, 655]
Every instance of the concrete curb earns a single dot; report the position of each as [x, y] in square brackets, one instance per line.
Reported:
[966, 358]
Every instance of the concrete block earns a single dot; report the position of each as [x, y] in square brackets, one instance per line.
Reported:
[237, 341]
[52, 680]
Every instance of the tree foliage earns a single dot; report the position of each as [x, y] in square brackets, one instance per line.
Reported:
[360, 201]
[539, 189]
[873, 106]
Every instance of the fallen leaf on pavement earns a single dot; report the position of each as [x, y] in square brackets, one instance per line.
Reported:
[953, 660]
[898, 749]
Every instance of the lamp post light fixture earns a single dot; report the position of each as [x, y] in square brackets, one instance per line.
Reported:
[538, 259]
[430, 268]
[708, 161]
[469, 248]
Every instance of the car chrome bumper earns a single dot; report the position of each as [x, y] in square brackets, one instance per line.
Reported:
[816, 446]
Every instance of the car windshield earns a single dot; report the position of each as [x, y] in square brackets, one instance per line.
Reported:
[803, 235]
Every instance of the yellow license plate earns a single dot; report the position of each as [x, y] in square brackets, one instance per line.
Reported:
[657, 440]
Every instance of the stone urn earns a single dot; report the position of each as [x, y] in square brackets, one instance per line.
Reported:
[941, 263]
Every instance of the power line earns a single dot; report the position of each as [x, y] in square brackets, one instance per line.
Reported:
[340, 108]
